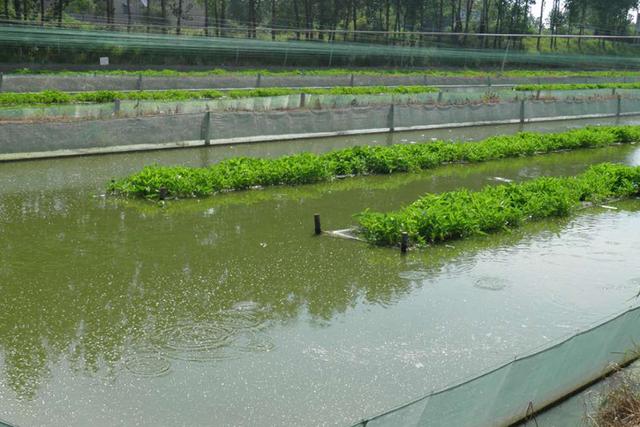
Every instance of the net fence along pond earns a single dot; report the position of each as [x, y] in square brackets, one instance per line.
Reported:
[525, 385]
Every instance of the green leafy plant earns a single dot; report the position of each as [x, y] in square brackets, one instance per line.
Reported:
[462, 213]
[244, 173]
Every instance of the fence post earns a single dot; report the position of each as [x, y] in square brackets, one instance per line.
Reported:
[116, 107]
[489, 81]
[619, 106]
[1, 77]
[204, 129]
[439, 97]
[259, 80]
[303, 99]
[522, 112]
[139, 83]
[391, 119]
[352, 80]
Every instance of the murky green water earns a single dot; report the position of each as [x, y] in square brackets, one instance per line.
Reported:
[227, 311]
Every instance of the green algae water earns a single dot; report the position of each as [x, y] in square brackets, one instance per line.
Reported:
[228, 311]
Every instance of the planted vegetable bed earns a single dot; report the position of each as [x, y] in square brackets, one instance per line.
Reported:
[459, 214]
[50, 97]
[243, 173]
[577, 86]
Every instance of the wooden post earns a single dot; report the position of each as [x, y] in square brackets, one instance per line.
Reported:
[316, 223]
[163, 193]
[522, 112]
[619, 106]
[204, 129]
[391, 118]
[404, 243]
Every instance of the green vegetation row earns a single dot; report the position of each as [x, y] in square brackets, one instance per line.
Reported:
[577, 86]
[339, 72]
[462, 213]
[243, 173]
[51, 97]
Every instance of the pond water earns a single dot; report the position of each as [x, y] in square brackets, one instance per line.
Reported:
[228, 311]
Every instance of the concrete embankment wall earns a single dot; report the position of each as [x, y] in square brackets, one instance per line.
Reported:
[78, 83]
[51, 139]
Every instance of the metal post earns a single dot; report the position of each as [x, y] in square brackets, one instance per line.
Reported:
[391, 118]
[316, 223]
[204, 129]
[522, 112]
[404, 243]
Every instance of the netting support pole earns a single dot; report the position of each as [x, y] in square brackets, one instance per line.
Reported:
[440, 97]
[619, 106]
[259, 80]
[424, 80]
[522, 112]
[303, 99]
[316, 224]
[489, 81]
[204, 129]
[391, 119]
[613, 91]
[352, 80]
[139, 83]
[116, 107]
[1, 77]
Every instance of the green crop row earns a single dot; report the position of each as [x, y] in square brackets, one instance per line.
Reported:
[243, 173]
[577, 86]
[48, 97]
[340, 72]
[462, 213]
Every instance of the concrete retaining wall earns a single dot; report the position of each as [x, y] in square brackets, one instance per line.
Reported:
[49, 139]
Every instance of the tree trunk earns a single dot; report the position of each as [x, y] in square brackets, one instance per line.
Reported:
[355, 19]
[128, 15]
[467, 17]
[179, 18]
[296, 14]
[60, 7]
[540, 25]
[273, 19]
[17, 9]
[223, 17]
[163, 12]
[206, 18]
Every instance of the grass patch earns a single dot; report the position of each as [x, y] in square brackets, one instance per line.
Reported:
[578, 86]
[339, 72]
[458, 214]
[50, 97]
[620, 406]
[243, 173]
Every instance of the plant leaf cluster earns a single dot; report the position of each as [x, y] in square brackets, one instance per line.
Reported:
[244, 173]
[462, 213]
